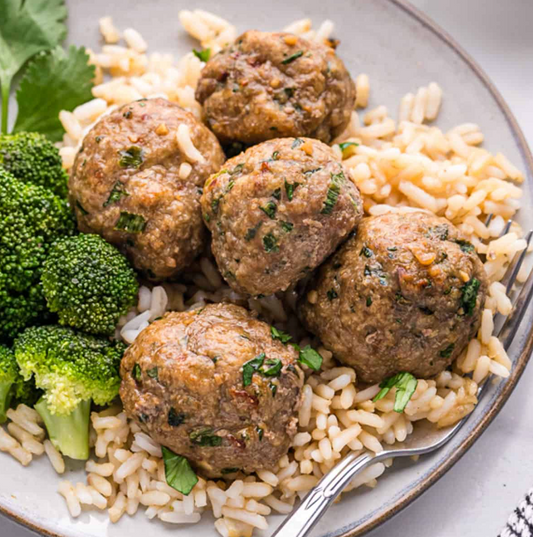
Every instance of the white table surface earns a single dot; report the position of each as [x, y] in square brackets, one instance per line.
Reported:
[476, 496]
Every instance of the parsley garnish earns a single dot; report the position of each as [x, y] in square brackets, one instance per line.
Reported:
[132, 223]
[367, 252]
[469, 296]
[175, 418]
[337, 179]
[271, 368]
[251, 232]
[405, 385]
[279, 334]
[116, 193]
[131, 157]
[202, 55]
[447, 352]
[332, 294]
[466, 247]
[290, 188]
[270, 209]
[136, 372]
[205, 438]
[270, 243]
[250, 367]
[153, 373]
[292, 57]
[309, 357]
[286, 226]
[345, 145]
[178, 472]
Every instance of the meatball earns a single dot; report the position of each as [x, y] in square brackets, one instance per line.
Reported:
[268, 85]
[134, 184]
[277, 211]
[215, 387]
[405, 294]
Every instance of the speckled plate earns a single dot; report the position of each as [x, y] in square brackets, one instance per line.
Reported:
[400, 50]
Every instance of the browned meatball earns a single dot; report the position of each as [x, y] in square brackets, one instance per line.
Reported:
[405, 294]
[215, 387]
[277, 211]
[126, 185]
[268, 85]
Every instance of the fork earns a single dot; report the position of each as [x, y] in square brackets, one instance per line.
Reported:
[425, 438]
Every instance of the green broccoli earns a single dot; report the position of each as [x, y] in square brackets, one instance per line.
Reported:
[32, 158]
[88, 283]
[9, 374]
[14, 390]
[31, 218]
[73, 369]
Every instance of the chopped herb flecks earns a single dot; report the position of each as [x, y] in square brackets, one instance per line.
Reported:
[292, 57]
[279, 334]
[466, 247]
[345, 145]
[469, 296]
[271, 367]
[270, 243]
[132, 223]
[447, 352]
[136, 372]
[337, 179]
[116, 193]
[202, 55]
[270, 209]
[205, 438]
[175, 419]
[405, 385]
[153, 373]
[297, 143]
[332, 294]
[252, 232]
[131, 157]
[367, 252]
[250, 367]
[290, 188]
[286, 226]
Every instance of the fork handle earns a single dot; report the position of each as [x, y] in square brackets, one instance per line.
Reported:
[316, 503]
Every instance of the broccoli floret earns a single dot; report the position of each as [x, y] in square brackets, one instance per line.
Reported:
[88, 283]
[73, 369]
[31, 218]
[32, 158]
[9, 374]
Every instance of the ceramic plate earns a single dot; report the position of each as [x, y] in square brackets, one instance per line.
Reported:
[400, 50]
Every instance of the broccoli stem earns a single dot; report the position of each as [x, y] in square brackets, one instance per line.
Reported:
[69, 434]
[6, 394]
[6, 84]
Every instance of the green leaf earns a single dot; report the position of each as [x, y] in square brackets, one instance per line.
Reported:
[278, 334]
[250, 367]
[54, 81]
[310, 358]
[202, 55]
[405, 385]
[271, 368]
[178, 472]
[26, 28]
[118, 190]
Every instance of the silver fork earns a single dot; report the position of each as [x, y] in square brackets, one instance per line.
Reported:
[425, 438]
